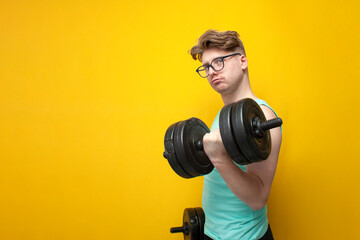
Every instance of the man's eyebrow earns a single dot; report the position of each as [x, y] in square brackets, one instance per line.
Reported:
[218, 57]
[205, 63]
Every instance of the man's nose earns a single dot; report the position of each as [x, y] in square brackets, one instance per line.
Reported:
[212, 71]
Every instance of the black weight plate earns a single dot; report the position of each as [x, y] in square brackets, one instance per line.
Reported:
[187, 133]
[195, 129]
[227, 136]
[190, 219]
[180, 150]
[201, 218]
[170, 153]
[255, 149]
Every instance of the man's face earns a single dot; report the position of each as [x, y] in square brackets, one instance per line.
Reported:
[228, 79]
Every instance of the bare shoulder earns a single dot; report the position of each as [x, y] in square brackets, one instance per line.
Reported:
[265, 170]
[276, 134]
[269, 114]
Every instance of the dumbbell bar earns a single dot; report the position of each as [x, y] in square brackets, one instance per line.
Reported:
[193, 224]
[244, 132]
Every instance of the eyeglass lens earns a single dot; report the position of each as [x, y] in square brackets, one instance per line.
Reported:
[217, 65]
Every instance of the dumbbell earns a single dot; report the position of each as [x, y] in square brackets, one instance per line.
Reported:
[244, 131]
[193, 224]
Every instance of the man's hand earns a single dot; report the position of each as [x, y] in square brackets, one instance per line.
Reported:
[214, 148]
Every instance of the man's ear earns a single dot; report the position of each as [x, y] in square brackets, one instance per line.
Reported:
[244, 62]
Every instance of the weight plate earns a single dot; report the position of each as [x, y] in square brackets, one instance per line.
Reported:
[227, 136]
[254, 149]
[195, 129]
[201, 218]
[180, 149]
[190, 219]
[170, 153]
[194, 161]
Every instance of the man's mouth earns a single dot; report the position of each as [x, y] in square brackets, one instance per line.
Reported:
[215, 80]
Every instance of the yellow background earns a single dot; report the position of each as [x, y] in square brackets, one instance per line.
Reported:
[88, 89]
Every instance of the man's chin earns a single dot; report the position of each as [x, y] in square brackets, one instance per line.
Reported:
[219, 89]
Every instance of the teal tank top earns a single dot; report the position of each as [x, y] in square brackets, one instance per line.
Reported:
[227, 217]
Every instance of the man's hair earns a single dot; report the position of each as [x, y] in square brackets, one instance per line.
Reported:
[228, 40]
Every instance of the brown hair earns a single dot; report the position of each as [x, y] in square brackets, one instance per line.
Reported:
[228, 40]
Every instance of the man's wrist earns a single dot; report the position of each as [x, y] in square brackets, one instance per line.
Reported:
[224, 162]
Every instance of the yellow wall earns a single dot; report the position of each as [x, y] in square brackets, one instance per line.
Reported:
[88, 89]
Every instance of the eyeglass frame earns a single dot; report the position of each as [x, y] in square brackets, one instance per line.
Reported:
[210, 65]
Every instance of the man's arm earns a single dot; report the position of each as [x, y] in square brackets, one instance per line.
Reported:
[253, 186]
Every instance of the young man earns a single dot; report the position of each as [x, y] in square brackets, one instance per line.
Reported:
[234, 196]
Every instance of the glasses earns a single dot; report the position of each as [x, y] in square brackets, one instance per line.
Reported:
[217, 65]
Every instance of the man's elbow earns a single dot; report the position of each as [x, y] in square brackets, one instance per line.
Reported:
[257, 205]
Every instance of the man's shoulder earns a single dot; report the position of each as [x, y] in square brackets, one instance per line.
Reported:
[266, 108]
[268, 112]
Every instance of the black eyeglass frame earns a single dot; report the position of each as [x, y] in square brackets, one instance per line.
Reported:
[206, 67]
